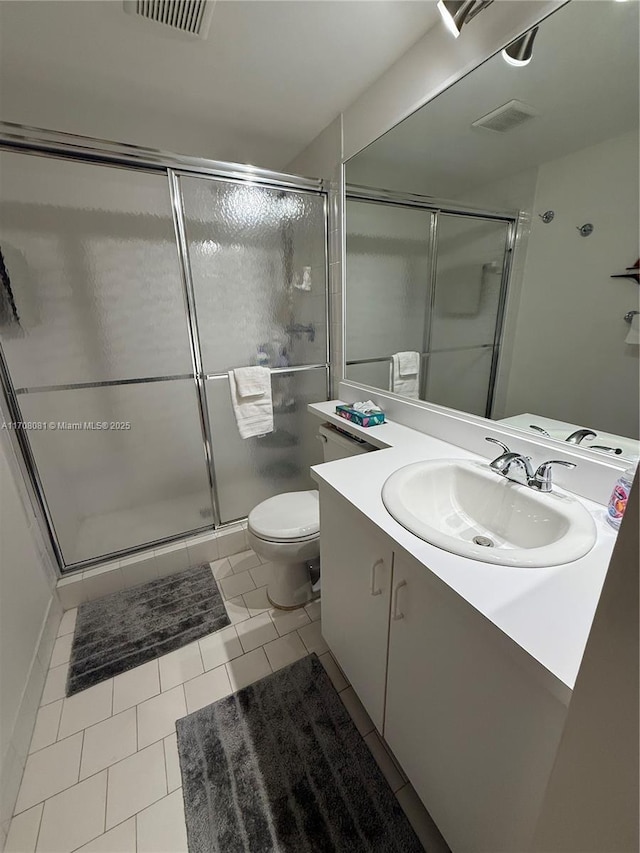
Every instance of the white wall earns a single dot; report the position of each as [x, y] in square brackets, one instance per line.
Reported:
[591, 804]
[584, 373]
[29, 618]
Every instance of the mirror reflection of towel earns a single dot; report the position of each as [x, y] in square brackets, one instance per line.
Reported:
[406, 374]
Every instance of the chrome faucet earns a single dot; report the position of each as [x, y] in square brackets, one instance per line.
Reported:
[540, 479]
[502, 464]
[579, 435]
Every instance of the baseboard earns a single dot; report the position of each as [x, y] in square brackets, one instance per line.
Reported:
[15, 757]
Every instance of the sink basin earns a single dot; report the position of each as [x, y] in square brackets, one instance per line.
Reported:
[468, 509]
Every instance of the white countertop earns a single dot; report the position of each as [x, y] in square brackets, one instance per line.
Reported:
[548, 612]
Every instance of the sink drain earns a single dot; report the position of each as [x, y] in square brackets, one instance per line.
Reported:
[484, 541]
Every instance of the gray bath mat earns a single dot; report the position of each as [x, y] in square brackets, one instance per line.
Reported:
[128, 628]
[279, 767]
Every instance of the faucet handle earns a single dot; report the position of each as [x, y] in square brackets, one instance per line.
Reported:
[542, 478]
[500, 443]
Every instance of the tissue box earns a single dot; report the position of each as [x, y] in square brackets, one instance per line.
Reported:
[360, 418]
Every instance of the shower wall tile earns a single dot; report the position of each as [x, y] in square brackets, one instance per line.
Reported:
[101, 581]
[172, 559]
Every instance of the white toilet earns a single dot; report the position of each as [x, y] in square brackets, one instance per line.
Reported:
[285, 529]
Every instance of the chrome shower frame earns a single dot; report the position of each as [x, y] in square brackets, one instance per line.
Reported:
[57, 145]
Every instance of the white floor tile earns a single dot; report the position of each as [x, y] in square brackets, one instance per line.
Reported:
[74, 817]
[313, 610]
[287, 621]
[256, 631]
[23, 831]
[54, 686]
[121, 839]
[263, 574]
[161, 827]
[172, 763]
[356, 711]
[45, 731]
[244, 561]
[157, 717]
[68, 622]
[311, 636]
[220, 647]
[108, 742]
[207, 688]
[221, 568]
[333, 671]
[256, 601]
[179, 666]
[421, 821]
[248, 668]
[86, 708]
[135, 783]
[135, 686]
[284, 651]
[235, 585]
[61, 650]
[385, 762]
[236, 610]
[50, 771]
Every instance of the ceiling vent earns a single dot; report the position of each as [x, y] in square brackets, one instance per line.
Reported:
[192, 17]
[507, 117]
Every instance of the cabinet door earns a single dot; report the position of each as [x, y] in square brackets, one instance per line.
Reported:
[472, 727]
[356, 567]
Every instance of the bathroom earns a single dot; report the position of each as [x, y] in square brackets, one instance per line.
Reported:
[230, 617]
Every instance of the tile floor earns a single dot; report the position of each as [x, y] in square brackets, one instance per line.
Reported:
[103, 774]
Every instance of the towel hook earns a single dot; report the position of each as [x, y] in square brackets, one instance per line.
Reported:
[586, 229]
[547, 216]
[630, 315]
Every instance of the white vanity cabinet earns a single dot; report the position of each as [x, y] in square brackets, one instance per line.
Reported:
[466, 711]
[356, 590]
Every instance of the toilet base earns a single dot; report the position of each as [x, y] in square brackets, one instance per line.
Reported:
[290, 587]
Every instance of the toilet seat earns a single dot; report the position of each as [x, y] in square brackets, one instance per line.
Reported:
[289, 517]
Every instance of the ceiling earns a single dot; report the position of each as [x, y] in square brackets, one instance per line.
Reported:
[582, 80]
[267, 80]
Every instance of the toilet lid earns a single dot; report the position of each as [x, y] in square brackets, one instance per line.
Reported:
[293, 515]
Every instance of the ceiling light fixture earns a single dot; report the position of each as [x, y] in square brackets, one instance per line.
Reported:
[457, 13]
[519, 52]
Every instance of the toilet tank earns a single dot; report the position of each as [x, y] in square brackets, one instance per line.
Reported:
[338, 445]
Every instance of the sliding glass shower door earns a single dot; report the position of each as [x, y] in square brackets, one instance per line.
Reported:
[126, 294]
[257, 267]
[95, 337]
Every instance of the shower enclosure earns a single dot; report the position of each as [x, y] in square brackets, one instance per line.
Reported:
[429, 277]
[130, 283]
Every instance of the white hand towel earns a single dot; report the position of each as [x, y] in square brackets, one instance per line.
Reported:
[406, 374]
[408, 363]
[251, 400]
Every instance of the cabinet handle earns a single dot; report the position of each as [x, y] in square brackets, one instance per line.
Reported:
[375, 591]
[397, 614]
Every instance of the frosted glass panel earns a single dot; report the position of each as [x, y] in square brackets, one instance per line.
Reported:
[250, 470]
[115, 489]
[468, 279]
[257, 260]
[460, 379]
[91, 257]
[388, 281]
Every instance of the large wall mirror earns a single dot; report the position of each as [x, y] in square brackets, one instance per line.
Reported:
[492, 239]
